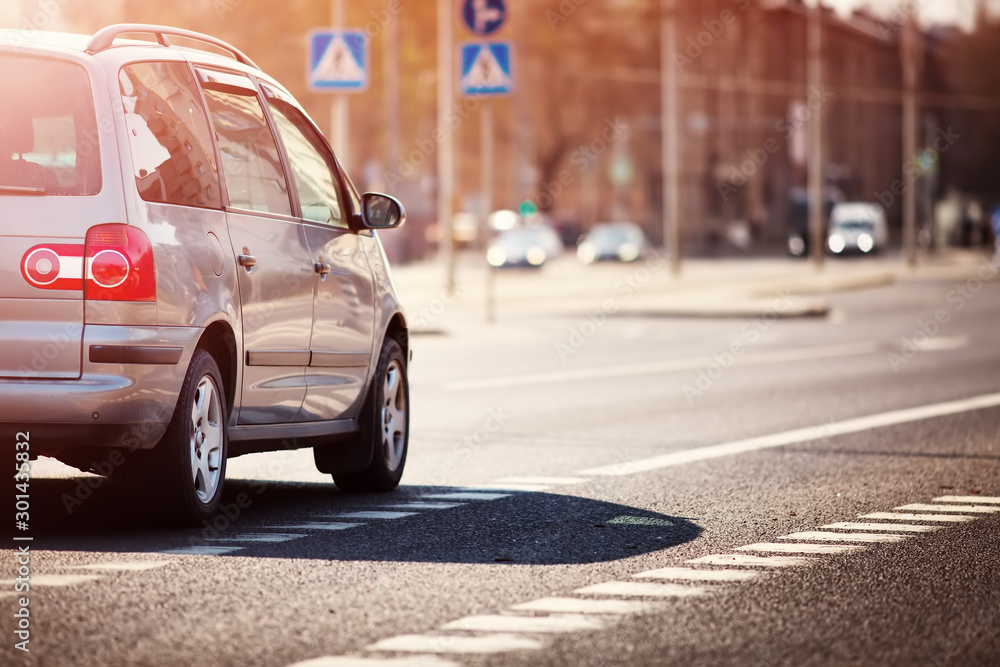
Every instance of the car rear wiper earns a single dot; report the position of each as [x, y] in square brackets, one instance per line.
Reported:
[19, 190]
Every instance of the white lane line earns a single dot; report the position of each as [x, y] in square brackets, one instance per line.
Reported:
[801, 548]
[553, 481]
[942, 343]
[960, 509]
[125, 567]
[825, 536]
[499, 643]
[370, 515]
[667, 366]
[977, 500]
[798, 435]
[203, 550]
[690, 574]
[531, 624]
[582, 606]
[416, 505]
[889, 527]
[903, 516]
[354, 661]
[267, 538]
[754, 561]
[641, 589]
[321, 525]
[56, 579]
[465, 495]
[523, 488]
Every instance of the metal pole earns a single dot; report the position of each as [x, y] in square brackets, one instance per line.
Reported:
[670, 136]
[486, 193]
[445, 158]
[817, 212]
[338, 105]
[908, 52]
[390, 76]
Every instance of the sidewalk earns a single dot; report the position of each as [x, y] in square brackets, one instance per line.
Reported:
[721, 288]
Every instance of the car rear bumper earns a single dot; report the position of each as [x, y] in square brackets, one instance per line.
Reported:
[124, 398]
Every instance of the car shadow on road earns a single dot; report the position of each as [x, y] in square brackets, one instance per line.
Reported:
[518, 528]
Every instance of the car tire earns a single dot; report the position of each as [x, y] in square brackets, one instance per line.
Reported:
[181, 479]
[385, 425]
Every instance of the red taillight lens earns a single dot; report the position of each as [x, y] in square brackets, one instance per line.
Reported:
[119, 261]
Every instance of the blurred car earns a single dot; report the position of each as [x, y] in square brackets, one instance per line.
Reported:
[614, 241]
[524, 246]
[857, 227]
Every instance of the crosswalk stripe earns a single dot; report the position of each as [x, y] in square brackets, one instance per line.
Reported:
[55, 579]
[844, 537]
[642, 589]
[985, 500]
[554, 481]
[960, 509]
[532, 624]
[465, 495]
[202, 550]
[791, 548]
[140, 566]
[890, 527]
[270, 538]
[690, 574]
[321, 525]
[355, 661]
[496, 643]
[417, 505]
[755, 561]
[582, 606]
[903, 516]
[372, 514]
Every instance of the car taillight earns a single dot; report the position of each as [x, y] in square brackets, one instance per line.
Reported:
[119, 261]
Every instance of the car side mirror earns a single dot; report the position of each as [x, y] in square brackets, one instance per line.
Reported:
[380, 211]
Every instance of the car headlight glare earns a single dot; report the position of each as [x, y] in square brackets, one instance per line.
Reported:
[865, 243]
[496, 257]
[586, 253]
[536, 256]
[836, 243]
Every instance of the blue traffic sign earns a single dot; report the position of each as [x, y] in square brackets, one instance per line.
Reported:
[484, 17]
[486, 69]
[338, 60]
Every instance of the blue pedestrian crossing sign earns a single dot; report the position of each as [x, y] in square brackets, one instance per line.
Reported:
[484, 17]
[486, 69]
[338, 60]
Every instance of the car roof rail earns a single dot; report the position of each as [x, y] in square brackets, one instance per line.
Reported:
[104, 39]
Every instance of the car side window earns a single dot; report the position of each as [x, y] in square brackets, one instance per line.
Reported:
[255, 179]
[171, 141]
[313, 170]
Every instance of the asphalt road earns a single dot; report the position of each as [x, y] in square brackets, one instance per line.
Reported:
[548, 456]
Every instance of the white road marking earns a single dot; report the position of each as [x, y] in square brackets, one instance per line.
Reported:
[801, 548]
[416, 505]
[499, 643]
[259, 537]
[554, 481]
[967, 509]
[125, 567]
[203, 550]
[903, 516]
[940, 343]
[977, 500]
[667, 366]
[755, 561]
[889, 527]
[56, 579]
[372, 515]
[582, 606]
[523, 488]
[353, 661]
[543, 624]
[321, 525]
[466, 495]
[801, 435]
[690, 574]
[642, 590]
[844, 537]
[639, 521]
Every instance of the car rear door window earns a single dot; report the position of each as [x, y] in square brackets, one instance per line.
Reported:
[48, 132]
[311, 164]
[172, 151]
[254, 176]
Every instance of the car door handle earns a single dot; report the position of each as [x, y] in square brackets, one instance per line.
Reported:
[246, 261]
[322, 268]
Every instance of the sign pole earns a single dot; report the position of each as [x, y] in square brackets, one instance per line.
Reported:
[338, 105]
[486, 173]
[670, 137]
[817, 203]
[445, 164]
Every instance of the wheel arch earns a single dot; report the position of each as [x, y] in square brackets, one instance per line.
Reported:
[219, 340]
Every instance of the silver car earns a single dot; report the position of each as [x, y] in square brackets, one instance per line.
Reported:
[187, 272]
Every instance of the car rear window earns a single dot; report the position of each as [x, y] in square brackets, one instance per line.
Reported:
[171, 141]
[48, 131]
